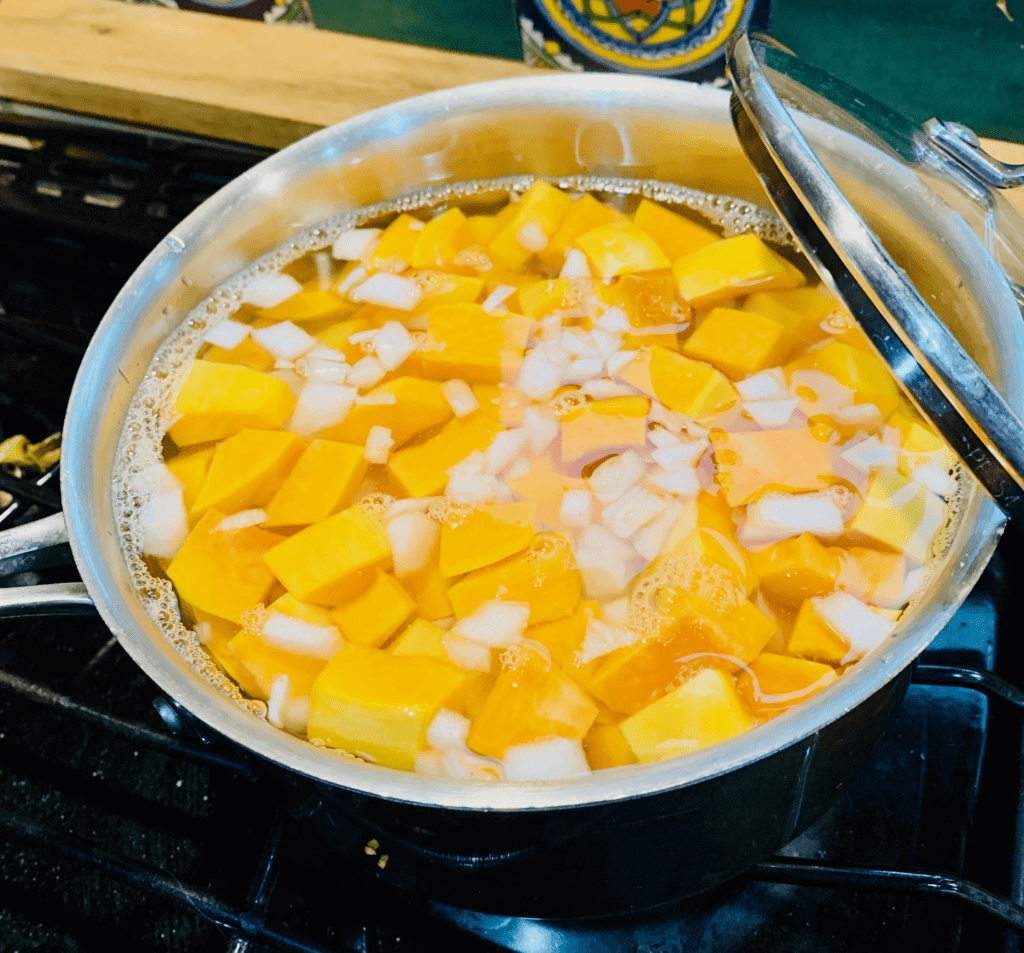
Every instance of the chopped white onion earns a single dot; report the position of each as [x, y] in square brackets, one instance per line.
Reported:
[351, 280]
[322, 369]
[460, 397]
[506, 446]
[577, 510]
[605, 562]
[547, 759]
[863, 415]
[614, 319]
[771, 413]
[575, 266]
[497, 297]
[328, 354]
[608, 342]
[294, 382]
[280, 693]
[617, 361]
[616, 612]
[412, 536]
[473, 488]
[518, 469]
[538, 378]
[602, 638]
[615, 476]
[633, 509]
[367, 372]
[464, 765]
[829, 394]
[388, 291]
[429, 763]
[650, 541]
[354, 244]
[662, 438]
[495, 623]
[414, 504]
[582, 370]
[280, 365]
[228, 334]
[362, 337]
[270, 290]
[163, 520]
[295, 715]
[871, 453]
[764, 385]
[777, 516]
[378, 444]
[542, 431]
[913, 581]
[855, 621]
[289, 634]
[393, 345]
[204, 632]
[321, 405]
[447, 729]
[578, 343]
[466, 653]
[323, 270]
[240, 520]
[286, 341]
[531, 237]
[680, 456]
[601, 388]
[936, 478]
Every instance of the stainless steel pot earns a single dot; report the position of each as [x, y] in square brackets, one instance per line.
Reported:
[675, 827]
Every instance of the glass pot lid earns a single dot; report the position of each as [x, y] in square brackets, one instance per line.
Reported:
[776, 98]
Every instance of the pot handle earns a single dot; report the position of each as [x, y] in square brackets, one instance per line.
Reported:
[37, 544]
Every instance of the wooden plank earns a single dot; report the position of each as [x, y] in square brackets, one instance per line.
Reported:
[212, 75]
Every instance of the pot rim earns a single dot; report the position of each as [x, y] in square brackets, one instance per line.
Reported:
[93, 389]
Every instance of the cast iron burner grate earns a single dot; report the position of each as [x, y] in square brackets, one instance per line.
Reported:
[123, 819]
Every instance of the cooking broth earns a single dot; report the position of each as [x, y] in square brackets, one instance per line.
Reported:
[609, 505]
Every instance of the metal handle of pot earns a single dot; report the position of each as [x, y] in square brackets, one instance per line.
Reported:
[41, 543]
[961, 144]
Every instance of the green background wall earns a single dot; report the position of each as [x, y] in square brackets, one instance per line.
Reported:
[960, 59]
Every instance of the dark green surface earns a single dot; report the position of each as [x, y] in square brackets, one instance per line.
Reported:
[962, 59]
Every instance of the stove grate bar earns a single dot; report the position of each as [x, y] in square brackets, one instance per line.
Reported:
[132, 731]
[29, 492]
[803, 873]
[985, 682]
[249, 924]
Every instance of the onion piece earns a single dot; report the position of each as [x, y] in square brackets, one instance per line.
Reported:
[935, 478]
[240, 520]
[163, 519]
[633, 509]
[605, 562]
[506, 446]
[466, 653]
[617, 361]
[769, 414]
[531, 237]
[476, 489]
[328, 354]
[228, 334]
[270, 290]
[321, 369]
[412, 536]
[871, 453]
[538, 378]
[764, 385]
[460, 397]
[661, 437]
[294, 382]
[204, 632]
[497, 297]
[351, 280]
[495, 623]
[576, 265]
[447, 729]
[854, 620]
[280, 693]
[286, 341]
[463, 765]
[354, 244]
[546, 759]
[583, 370]
[519, 469]
[861, 415]
[601, 388]
[289, 634]
[615, 476]
[777, 516]
[321, 405]
[414, 504]
[388, 291]
[393, 345]
[650, 540]
[295, 715]
[680, 456]
[367, 372]
[602, 638]
[616, 612]
[378, 444]
[543, 431]
[577, 510]
[614, 319]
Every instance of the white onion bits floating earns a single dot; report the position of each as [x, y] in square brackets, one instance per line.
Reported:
[378, 444]
[388, 291]
[228, 334]
[286, 341]
[354, 244]
[163, 520]
[393, 345]
[271, 290]
[412, 537]
[547, 759]
[495, 623]
[615, 476]
[321, 405]
[460, 397]
[289, 634]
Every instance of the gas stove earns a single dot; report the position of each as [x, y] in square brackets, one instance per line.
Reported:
[123, 821]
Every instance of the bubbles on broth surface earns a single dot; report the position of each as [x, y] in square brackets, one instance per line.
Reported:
[151, 411]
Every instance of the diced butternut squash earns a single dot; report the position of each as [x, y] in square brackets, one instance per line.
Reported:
[397, 243]
[795, 569]
[530, 699]
[701, 712]
[563, 638]
[774, 683]
[465, 341]
[441, 288]
[374, 703]
[726, 269]
[920, 444]
[289, 605]
[648, 300]
[786, 461]
[190, 467]
[603, 426]
[898, 515]
[337, 336]
[264, 664]
[218, 400]
[583, 215]
[419, 405]
[372, 618]
[420, 638]
[864, 373]
[541, 209]
[221, 633]
[478, 230]
[323, 481]
[420, 470]
[247, 470]
[692, 387]
[738, 342]
[545, 576]
[486, 536]
[545, 484]
[606, 747]
[436, 245]
[334, 560]
[803, 321]
[429, 590]
[812, 639]
[620, 248]
[675, 234]
[309, 305]
[540, 298]
[223, 571]
[248, 353]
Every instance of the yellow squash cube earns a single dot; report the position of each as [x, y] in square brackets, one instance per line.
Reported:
[324, 479]
[465, 341]
[811, 638]
[247, 470]
[486, 536]
[420, 470]
[692, 387]
[429, 590]
[337, 336]
[603, 426]
[649, 300]
[264, 664]
[795, 569]
[802, 320]
[620, 248]
[372, 618]
[539, 298]
[443, 288]
[419, 405]
[309, 305]
[191, 468]
[397, 243]
[218, 400]
[437, 242]
[675, 234]
[221, 633]
[739, 342]
[289, 605]
[543, 208]
[777, 682]
[864, 373]
[920, 444]
[583, 215]
[726, 269]
[530, 699]
[545, 576]
[334, 560]
[606, 747]
[420, 638]
[563, 638]
[898, 515]
[374, 703]
[223, 572]
[701, 712]
[248, 353]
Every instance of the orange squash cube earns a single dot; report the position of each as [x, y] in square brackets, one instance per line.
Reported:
[264, 664]
[777, 682]
[324, 479]
[542, 208]
[486, 536]
[606, 747]
[812, 639]
[620, 248]
[190, 468]
[726, 269]
[397, 243]
[465, 341]
[436, 245]
[675, 234]
[692, 387]
[248, 354]
[419, 405]
[738, 342]
[864, 373]
[583, 215]
[372, 618]
[795, 569]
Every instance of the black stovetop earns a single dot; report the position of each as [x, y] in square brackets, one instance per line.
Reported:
[124, 823]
